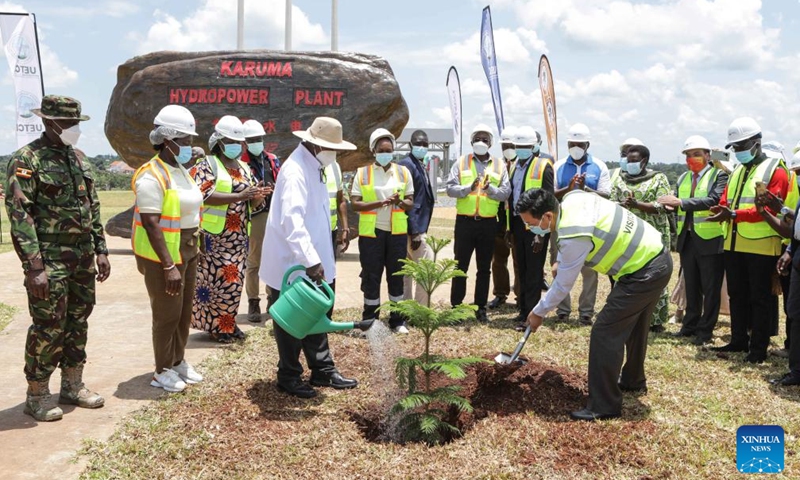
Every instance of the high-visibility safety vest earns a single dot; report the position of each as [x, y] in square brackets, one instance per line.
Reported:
[367, 221]
[170, 221]
[794, 191]
[742, 195]
[477, 203]
[702, 227]
[614, 173]
[333, 177]
[212, 218]
[533, 179]
[623, 242]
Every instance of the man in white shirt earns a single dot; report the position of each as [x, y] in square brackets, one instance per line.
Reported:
[299, 233]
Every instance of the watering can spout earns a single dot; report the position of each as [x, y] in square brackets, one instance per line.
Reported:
[326, 326]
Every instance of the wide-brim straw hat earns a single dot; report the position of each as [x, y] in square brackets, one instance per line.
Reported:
[325, 132]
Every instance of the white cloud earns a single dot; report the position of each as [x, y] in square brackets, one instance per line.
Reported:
[708, 33]
[516, 46]
[110, 8]
[213, 27]
[475, 87]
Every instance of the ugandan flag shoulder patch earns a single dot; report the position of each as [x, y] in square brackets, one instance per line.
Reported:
[24, 172]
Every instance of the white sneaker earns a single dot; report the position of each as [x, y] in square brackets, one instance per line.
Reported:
[187, 373]
[401, 330]
[169, 380]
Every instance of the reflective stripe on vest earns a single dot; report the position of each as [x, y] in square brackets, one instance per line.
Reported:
[331, 183]
[477, 203]
[367, 221]
[533, 179]
[614, 174]
[170, 220]
[703, 228]
[623, 242]
[747, 198]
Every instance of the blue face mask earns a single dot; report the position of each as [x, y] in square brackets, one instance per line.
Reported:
[634, 168]
[233, 150]
[538, 230]
[524, 153]
[184, 155]
[384, 158]
[747, 156]
[623, 164]
[419, 152]
[255, 148]
[536, 148]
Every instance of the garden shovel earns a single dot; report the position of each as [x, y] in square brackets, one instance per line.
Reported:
[506, 359]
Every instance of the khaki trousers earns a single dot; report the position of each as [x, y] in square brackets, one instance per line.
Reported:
[409, 288]
[172, 315]
[258, 225]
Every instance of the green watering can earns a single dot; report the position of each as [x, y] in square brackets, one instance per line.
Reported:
[302, 308]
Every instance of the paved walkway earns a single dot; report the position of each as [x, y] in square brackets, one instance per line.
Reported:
[119, 366]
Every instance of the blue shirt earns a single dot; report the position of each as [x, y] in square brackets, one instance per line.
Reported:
[569, 169]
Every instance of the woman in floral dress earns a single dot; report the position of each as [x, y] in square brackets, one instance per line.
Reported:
[224, 247]
[637, 190]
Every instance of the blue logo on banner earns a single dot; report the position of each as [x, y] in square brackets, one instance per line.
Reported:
[759, 449]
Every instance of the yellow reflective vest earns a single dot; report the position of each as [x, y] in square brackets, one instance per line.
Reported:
[333, 177]
[623, 242]
[212, 218]
[705, 184]
[367, 221]
[170, 221]
[533, 178]
[742, 195]
[478, 203]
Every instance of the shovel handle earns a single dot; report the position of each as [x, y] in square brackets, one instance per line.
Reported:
[520, 344]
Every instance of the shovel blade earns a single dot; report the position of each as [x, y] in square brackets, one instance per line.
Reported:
[503, 358]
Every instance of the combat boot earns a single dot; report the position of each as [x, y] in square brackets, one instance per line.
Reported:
[254, 310]
[74, 392]
[39, 402]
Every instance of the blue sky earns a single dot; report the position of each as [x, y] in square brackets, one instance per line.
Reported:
[659, 70]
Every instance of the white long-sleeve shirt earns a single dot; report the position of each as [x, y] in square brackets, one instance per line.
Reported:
[572, 253]
[299, 224]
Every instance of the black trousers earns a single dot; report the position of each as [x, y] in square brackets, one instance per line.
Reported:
[753, 306]
[703, 275]
[315, 347]
[473, 235]
[786, 290]
[620, 330]
[379, 254]
[793, 310]
[531, 265]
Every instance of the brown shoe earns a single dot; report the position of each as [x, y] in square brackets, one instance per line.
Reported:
[39, 403]
[74, 392]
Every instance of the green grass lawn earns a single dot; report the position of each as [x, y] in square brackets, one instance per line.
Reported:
[6, 314]
[111, 203]
[236, 424]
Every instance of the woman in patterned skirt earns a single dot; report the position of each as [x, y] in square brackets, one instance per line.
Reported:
[637, 190]
[228, 192]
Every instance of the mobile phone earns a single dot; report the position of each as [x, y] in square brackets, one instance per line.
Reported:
[761, 188]
[717, 159]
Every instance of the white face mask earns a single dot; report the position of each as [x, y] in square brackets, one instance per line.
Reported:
[480, 148]
[326, 157]
[70, 135]
[576, 153]
[510, 153]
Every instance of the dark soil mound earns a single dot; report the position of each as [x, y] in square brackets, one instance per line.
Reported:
[546, 390]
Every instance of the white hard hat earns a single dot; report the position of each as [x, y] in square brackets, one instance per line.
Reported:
[176, 117]
[525, 136]
[379, 134]
[230, 127]
[794, 163]
[741, 129]
[696, 142]
[796, 148]
[631, 142]
[774, 149]
[508, 134]
[481, 128]
[253, 128]
[578, 133]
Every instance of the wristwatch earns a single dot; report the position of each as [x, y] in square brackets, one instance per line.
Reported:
[784, 211]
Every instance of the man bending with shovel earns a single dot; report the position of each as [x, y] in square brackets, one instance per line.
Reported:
[600, 234]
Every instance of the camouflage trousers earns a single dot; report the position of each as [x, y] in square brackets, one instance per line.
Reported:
[57, 336]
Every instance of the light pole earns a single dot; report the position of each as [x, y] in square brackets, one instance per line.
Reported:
[288, 28]
[240, 26]
[334, 25]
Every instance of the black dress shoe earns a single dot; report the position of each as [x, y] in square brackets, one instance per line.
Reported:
[657, 328]
[589, 416]
[334, 380]
[481, 316]
[497, 302]
[788, 380]
[638, 391]
[730, 348]
[298, 389]
[755, 358]
[585, 319]
[701, 340]
[682, 334]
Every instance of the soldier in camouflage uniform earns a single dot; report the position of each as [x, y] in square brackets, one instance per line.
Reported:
[56, 229]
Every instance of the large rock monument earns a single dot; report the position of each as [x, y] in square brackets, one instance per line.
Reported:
[283, 90]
